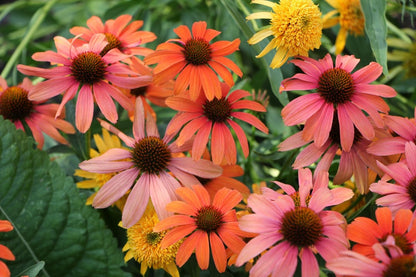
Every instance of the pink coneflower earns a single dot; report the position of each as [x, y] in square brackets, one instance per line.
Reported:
[205, 117]
[337, 89]
[294, 225]
[355, 162]
[83, 69]
[119, 33]
[16, 107]
[390, 261]
[146, 165]
[402, 194]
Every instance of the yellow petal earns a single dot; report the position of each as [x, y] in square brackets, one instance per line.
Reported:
[340, 41]
[260, 15]
[267, 49]
[87, 184]
[280, 57]
[260, 35]
[264, 3]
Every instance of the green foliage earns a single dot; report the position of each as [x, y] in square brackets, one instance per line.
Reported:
[52, 222]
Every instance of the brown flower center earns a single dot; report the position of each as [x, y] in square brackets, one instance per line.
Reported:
[88, 68]
[411, 189]
[141, 91]
[151, 155]
[208, 219]
[14, 104]
[217, 110]
[113, 42]
[401, 242]
[336, 86]
[197, 51]
[403, 266]
[301, 227]
[153, 238]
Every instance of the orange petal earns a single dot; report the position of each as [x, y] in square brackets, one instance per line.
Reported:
[6, 254]
[218, 252]
[187, 248]
[384, 220]
[5, 226]
[176, 234]
[173, 221]
[202, 250]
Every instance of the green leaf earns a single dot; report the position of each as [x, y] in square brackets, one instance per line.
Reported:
[34, 270]
[51, 221]
[376, 29]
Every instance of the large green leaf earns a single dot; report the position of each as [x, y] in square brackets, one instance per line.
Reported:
[52, 223]
[376, 29]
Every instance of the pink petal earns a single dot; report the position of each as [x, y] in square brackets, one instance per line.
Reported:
[84, 109]
[201, 168]
[106, 104]
[309, 263]
[367, 74]
[410, 151]
[360, 121]
[347, 62]
[346, 128]
[218, 142]
[138, 122]
[301, 108]
[160, 196]
[256, 246]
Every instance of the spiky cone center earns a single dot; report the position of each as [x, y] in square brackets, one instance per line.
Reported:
[301, 227]
[297, 26]
[208, 219]
[14, 104]
[113, 42]
[401, 242]
[351, 16]
[217, 110]
[411, 189]
[296, 199]
[197, 51]
[151, 155]
[335, 136]
[140, 91]
[402, 266]
[336, 86]
[88, 68]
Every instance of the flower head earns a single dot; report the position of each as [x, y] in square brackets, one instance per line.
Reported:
[337, 90]
[5, 253]
[205, 117]
[195, 60]
[119, 34]
[296, 27]
[350, 17]
[82, 69]
[144, 245]
[294, 225]
[39, 116]
[205, 224]
[144, 166]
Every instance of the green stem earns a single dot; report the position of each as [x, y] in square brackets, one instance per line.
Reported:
[40, 14]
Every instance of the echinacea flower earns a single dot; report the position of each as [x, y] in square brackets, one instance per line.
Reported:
[144, 245]
[401, 194]
[365, 232]
[82, 69]
[205, 117]
[205, 224]
[195, 60]
[389, 261]
[404, 51]
[97, 180]
[294, 225]
[144, 166]
[5, 253]
[39, 116]
[119, 34]
[349, 15]
[296, 27]
[340, 90]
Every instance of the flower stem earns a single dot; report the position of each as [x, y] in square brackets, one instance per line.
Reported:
[38, 18]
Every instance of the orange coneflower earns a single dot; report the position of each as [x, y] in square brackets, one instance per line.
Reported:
[5, 253]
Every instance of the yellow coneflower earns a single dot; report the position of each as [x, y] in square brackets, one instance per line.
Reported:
[296, 27]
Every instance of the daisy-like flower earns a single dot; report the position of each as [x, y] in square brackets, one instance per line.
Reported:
[5, 253]
[366, 232]
[97, 180]
[296, 27]
[144, 166]
[205, 224]
[144, 245]
[389, 261]
[205, 117]
[83, 69]
[404, 51]
[349, 15]
[402, 194]
[195, 60]
[294, 225]
[337, 89]
[119, 33]
[39, 116]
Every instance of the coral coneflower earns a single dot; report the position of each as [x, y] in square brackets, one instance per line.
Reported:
[119, 33]
[205, 117]
[366, 232]
[144, 166]
[350, 17]
[82, 69]
[294, 225]
[5, 253]
[337, 89]
[205, 224]
[195, 60]
[144, 245]
[296, 27]
[39, 116]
